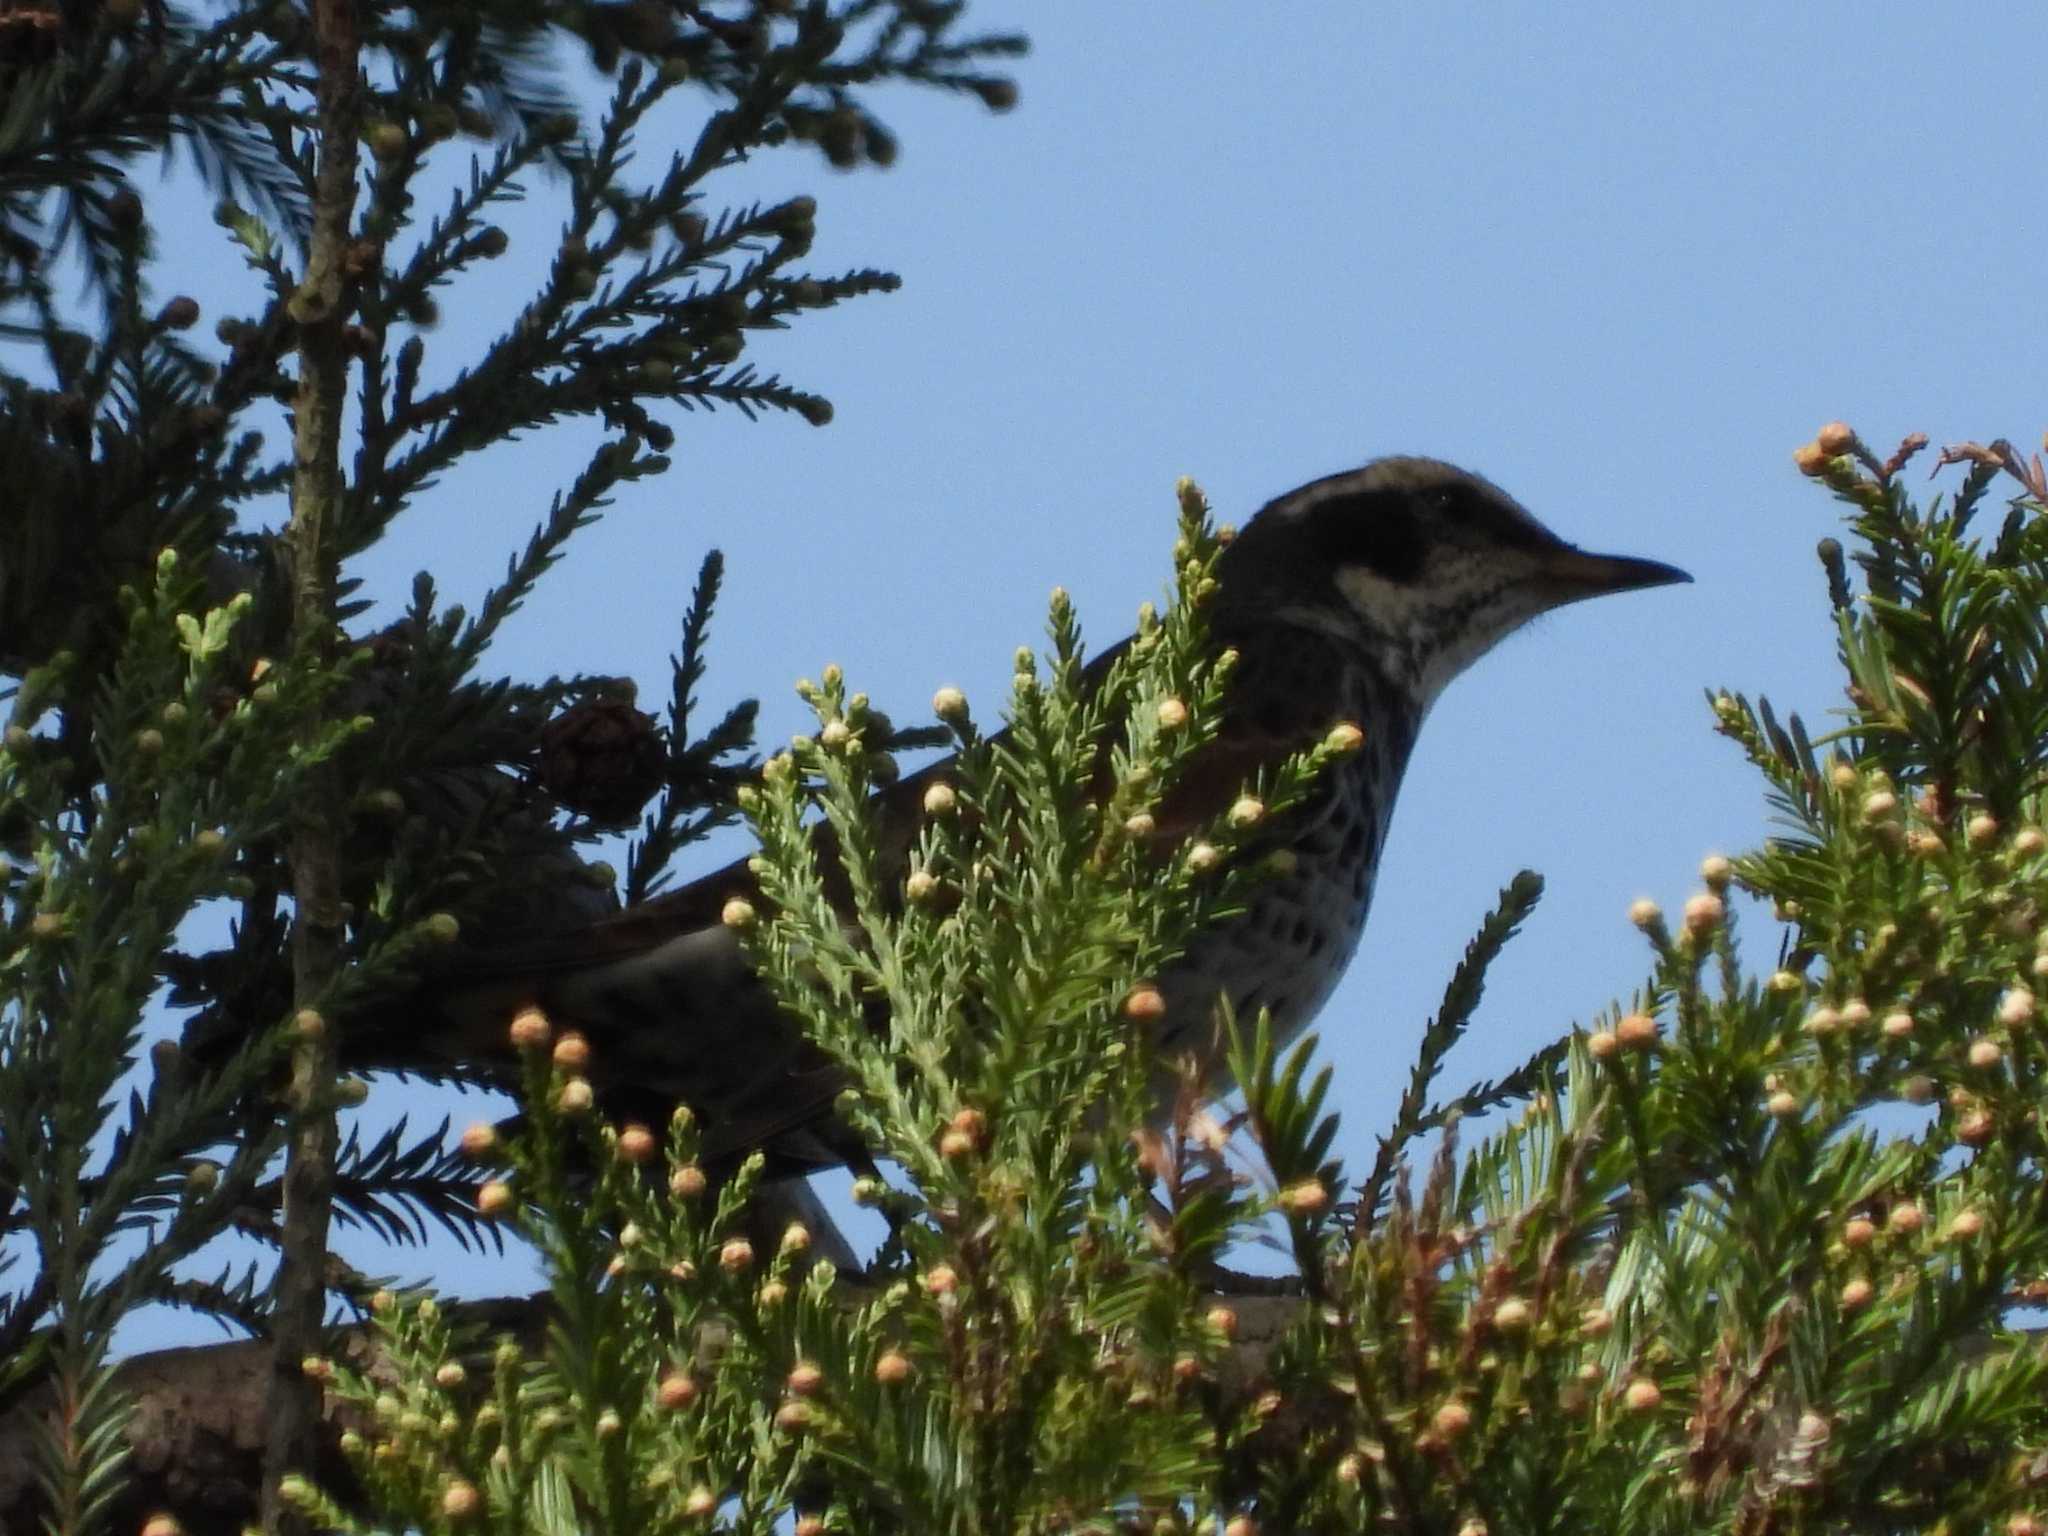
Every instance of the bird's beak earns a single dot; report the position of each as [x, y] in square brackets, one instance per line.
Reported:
[1571, 574]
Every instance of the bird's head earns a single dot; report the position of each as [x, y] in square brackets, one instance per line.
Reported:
[1420, 564]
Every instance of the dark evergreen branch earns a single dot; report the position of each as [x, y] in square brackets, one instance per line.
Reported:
[1461, 997]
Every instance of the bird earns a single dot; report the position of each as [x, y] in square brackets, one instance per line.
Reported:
[1356, 598]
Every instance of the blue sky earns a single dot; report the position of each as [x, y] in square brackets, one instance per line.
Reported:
[1622, 263]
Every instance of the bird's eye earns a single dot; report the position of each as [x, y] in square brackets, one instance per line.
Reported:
[1373, 529]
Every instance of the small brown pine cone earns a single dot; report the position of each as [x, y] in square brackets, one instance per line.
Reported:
[603, 759]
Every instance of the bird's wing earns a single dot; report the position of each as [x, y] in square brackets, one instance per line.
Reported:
[674, 1015]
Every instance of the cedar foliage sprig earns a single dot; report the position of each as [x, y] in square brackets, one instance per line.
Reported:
[1041, 1351]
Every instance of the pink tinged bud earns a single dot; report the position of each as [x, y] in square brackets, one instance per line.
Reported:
[1782, 1105]
[892, 1368]
[1145, 1005]
[677, 1391]
[1704, 913]
[941, 1280]
[687, 1182]
[737, 1255]
[1344, 739]
[1203, 857]
[1858, 1231]
[1452, 1420]
[460, 1499]
[1717, 871]
[1897, 1026]
[1906, 1218]
[637, 1145]
[1645, 913]
[1985, 1054]
[494, 1199]
[1513, 1315]
[572, 1052]
[794, 1417]
[1857, 1294]
[1812, 459]
[1643, 1394]
[530, 1030]
[1982, 831]
[1965, 1225]
[2016, 1008]
[575, 1096]
[1835, 439]
[1879, 804]
[1637, 1031]
[451, 1375]
[1602, 1044]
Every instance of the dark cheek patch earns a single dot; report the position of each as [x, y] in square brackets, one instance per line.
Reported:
[1373, 529]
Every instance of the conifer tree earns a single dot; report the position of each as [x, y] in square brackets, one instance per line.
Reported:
[1750, 1251]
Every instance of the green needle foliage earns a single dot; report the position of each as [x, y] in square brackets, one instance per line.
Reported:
[1754, 1253]
[230, 811]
